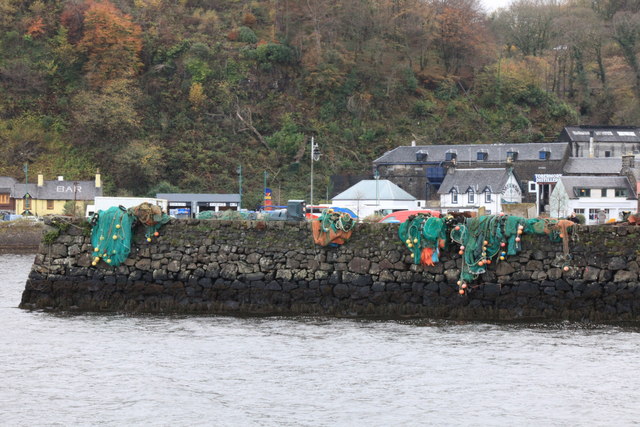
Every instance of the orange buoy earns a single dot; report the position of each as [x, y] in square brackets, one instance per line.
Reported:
[566, 268]
[464, 286]
[156, 234]
[461, 291]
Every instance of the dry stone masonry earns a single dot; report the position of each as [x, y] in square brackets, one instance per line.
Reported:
[255, 267]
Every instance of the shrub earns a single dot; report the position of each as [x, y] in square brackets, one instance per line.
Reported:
[246, 35]
[422, 108]
[249, 19]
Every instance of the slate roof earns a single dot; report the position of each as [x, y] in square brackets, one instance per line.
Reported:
[58, 190]
[601, 133]
[478, 179]
[199, 197]
[6, 184]
[496, 153]
[366, 190]
[596, 165]
[594, 182]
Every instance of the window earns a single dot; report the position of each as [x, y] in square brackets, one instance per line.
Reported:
[593, 214]
[544, 155]
[482, 156]
[4, 199]
[621, 192]
[421, 156]
[532, 187]
[49, 204]
[471, 196]
[454, 196]
[450, 156]
[607, 153]
[579, 211]
[582, 192]
[512, 156]
[487, 196]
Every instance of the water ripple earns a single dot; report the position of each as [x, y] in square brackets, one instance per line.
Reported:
[114, 370]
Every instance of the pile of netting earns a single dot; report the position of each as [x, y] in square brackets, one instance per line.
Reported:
[113, 229]
[482, 240]
[424, 235]
[332, 228]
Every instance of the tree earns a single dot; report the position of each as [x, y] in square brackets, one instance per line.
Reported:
[459, 32]
[526, 25]
[627, 34]
[112, 44]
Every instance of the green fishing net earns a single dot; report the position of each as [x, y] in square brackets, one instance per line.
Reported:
[111, 236]
[113, 229]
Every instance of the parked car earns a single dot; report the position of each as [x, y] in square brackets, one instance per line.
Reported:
[402, 216]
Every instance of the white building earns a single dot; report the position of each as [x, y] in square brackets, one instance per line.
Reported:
[370, 195]
[470, 189]
[589, 195]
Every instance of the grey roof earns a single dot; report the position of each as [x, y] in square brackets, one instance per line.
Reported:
[58, 190]
[468, 152]
[478, 179]
[6, 184]
[366, 190]
[594, 182]
[601, 133]
[596, 165]
[199, 197]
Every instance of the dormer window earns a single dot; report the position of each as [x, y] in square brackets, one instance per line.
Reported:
[582, 192]
[454, 196]
[487, 194]
[512, 156]
[544, 155]
[482, 156]
[421, 156]
[450, 156]
[471, 196]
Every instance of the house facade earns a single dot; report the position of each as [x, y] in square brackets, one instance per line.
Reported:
[50, 197]
[472, 189]
[7, 204]
[598, 198]
[420, 170]
[602, 141]
[368, 196]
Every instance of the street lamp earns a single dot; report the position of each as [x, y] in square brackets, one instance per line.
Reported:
[376, 175]
[315, 156]
[239, 172]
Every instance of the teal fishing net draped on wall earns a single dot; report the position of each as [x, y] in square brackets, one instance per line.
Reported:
[113, 230]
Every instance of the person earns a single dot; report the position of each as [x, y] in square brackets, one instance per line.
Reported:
[573, 218]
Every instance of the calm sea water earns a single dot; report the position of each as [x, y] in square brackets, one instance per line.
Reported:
[120, 370]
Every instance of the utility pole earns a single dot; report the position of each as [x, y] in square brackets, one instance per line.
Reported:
[239, 171]
[27, 196]
[315, 156]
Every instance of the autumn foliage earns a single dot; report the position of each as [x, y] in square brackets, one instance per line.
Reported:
[111, 42]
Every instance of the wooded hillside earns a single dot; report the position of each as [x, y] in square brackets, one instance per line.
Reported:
[173, 96]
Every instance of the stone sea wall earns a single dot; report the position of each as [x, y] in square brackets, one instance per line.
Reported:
[20, 236]
[255, 267]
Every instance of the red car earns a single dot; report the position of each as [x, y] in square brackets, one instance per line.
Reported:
[402, 216]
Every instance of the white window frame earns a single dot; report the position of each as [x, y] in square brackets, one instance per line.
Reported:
[471, 196]
[454, 196]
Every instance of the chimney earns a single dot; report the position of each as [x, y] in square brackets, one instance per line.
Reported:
[413, 143]
[628, 161]
[40, 180]
[628, 164]
[591, 149]
[98, 179]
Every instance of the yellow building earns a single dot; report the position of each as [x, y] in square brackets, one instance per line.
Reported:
[50, 197]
